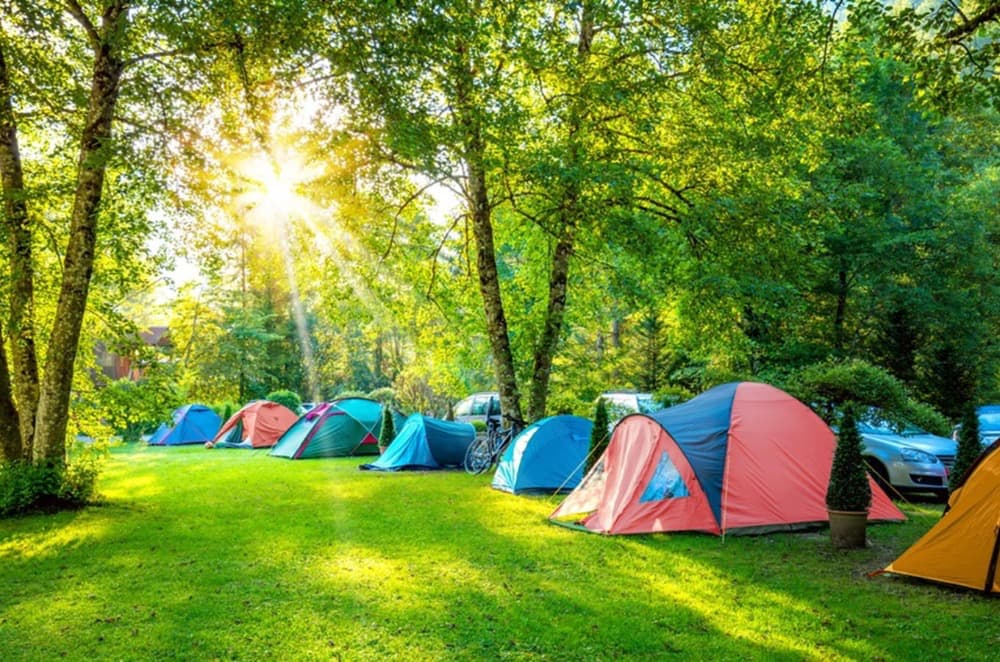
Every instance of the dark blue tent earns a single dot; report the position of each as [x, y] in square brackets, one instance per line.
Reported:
[426, 443]
[192, 424]
[547, 456]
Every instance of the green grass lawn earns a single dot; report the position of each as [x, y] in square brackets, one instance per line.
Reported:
[200, 554]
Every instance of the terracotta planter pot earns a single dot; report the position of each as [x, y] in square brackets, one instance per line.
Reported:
[847, 529]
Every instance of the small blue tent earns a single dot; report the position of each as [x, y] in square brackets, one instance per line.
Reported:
[547, 456]
[192, 424]
[426, 443]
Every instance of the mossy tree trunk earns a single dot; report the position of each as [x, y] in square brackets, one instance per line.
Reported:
[42, 400]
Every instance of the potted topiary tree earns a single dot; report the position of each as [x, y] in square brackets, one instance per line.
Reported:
[599, 433]
[849, 493]
[388, 431]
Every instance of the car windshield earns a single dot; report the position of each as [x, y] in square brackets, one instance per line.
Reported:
[875, 424]
[646, 404]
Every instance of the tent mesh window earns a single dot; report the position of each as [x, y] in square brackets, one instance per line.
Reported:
[666, 482]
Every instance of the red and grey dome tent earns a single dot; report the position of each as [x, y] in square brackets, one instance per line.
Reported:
[741, 457]
[257, 425]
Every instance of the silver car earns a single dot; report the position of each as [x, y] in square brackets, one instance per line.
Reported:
[477, 406]
[906, 459]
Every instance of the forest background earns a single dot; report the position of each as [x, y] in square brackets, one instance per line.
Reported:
[548, 198]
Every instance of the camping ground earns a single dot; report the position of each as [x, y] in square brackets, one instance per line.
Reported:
[199, 554]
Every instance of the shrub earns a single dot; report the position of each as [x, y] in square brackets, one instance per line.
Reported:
[599, 434]
[830, 385]
[226, 409]
[287, 398]
[480, 426]
[969, 447]
[565, 404]
[26, 487]
[388, 431]
[849, 489]
[669, 396]
[350, 394]
[385, 395]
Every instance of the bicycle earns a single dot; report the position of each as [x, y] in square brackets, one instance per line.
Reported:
[484, 452]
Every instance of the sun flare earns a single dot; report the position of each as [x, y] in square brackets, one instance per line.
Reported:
[273, 189]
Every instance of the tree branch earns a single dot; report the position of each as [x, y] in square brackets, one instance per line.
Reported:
[991, 13]
[73, 7]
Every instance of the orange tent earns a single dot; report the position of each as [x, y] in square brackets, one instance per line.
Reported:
[962, 548]
[257, 425]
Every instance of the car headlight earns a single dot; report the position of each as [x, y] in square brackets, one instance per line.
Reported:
[913, 455]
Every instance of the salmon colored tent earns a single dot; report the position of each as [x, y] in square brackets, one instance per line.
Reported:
[963, 547]
[258, 425]
[741, 457]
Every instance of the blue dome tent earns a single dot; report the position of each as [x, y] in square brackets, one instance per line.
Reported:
[426, 443]
[547, 456]
[192, 424]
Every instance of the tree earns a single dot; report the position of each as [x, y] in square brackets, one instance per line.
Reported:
[387, 432]
[599, 433]
[43, 396]
[849, 489]
[970, 447]
[117, 122]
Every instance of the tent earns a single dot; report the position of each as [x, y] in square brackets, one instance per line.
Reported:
[547, 456]
[426, 443]
[333, 429]
[963, 547]
[258, 425]
[192, 424]
[741, 457]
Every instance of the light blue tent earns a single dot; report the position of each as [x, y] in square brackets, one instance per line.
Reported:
[426, 443]
[548, 456]
[192, 424]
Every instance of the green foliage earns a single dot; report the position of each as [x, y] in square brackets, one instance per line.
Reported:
[564, 404]
[26, 487]
[669, 396]
[849, 487]
[830, 385]
[285, 397]
[136, 408]
[480, 426]
[599, 434]
[349, 393]
[970, 446]
[388, 430]
[386, 395]
[225, 409]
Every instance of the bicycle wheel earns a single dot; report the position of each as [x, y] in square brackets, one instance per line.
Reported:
[478, 457]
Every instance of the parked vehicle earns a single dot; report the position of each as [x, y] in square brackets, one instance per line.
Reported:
[905, 459]
[474, 407]
[622, 403]
[989, 424]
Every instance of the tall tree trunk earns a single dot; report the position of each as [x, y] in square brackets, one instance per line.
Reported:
[555, 312]
[10, 437]
[78, 266]
[21, 326]
[489, 282]
[467, 116]
[548, 342]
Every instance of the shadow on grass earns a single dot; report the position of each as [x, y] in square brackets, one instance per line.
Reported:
[238, 555]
